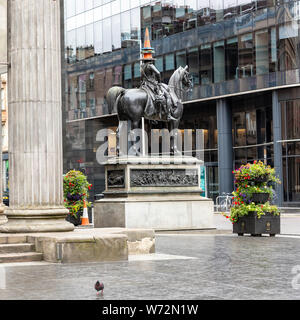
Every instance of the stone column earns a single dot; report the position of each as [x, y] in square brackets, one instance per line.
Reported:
[35, 118]
[276, 110]
[3, 218]
[225, 158]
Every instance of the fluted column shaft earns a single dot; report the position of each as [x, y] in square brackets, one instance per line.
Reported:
[35, 116]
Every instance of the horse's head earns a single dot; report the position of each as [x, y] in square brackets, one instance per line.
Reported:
[181, 81]
[186, 78]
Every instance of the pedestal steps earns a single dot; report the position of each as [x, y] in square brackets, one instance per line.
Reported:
[17, 249]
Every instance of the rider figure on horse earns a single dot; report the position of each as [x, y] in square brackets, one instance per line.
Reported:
[159, 98]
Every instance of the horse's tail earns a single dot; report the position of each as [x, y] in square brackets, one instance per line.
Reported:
[117, 104]
[111, 98]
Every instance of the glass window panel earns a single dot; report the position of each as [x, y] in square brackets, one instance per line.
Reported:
[127, 76]
[157, 21]
[179, 17]
[251, 127]
[193, 63]
[79, 6]
[125, 5]
[137, 70]
[246, 55]
[219, 61]
[293, 119]
[98, 37]
[107, 45]
[159, 64]
[180, 59]
[239, 126]
[167, 13]
[80, 37]
[71, 23]
[134, 3]
[128, 72]
[117, 76]
[205, 64]
[294, 179]
[146, 12]
[71, 46]
[251, 154]
[288, 50]
[98, 13]
[203, 15]
[217, 10]
[170, 65]
[106, 11]
[89, 17]
[115, 7]
[97, 3]
[89, 37]
[232, 58]
[191, 14]
[116, 32]
[262, 51]
[230, 9]
[273, 45]
[80, 20]
[135, 22]
[70, 7]
[125, 26]
[240, 155]
[89, 4]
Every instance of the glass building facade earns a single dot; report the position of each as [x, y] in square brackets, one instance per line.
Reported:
[243, 56]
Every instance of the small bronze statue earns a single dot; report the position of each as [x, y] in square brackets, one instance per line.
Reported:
[154, 100]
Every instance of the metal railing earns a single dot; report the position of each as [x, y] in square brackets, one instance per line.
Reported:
[224, 202]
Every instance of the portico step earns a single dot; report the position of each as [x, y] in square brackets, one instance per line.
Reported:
[16, 248]
[10, 239]
[20, 257]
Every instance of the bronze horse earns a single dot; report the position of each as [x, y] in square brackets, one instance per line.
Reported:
[130, 104]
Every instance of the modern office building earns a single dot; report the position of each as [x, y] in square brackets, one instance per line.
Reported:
[243, 56]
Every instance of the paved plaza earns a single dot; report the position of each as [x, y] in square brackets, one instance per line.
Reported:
[189, 265]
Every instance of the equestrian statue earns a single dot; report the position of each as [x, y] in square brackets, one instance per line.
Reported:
[154, 100]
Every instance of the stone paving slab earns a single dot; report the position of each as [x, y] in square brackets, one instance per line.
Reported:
[184, 267]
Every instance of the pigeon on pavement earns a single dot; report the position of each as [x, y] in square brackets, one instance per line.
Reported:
[99, 286]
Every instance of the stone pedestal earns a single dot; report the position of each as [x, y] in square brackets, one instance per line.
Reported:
[156, 193]
[35, 119]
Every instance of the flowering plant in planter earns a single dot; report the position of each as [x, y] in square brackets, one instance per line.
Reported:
[252, 182]
[243, 194]
[76, 191]
[253, 174]
[243, 209]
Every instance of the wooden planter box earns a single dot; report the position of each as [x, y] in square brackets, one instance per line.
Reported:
[251, 224]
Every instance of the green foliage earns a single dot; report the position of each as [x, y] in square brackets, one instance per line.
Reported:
[76, 191]
[244, 209]
[253, 174]
[250, 179]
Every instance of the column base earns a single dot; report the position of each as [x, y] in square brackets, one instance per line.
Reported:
[3, 218]
[36, 220]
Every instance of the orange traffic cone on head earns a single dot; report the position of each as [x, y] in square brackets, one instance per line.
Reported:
[85, 217]
[147, 51]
